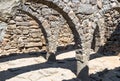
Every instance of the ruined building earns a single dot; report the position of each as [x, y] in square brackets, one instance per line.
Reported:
[55, 26]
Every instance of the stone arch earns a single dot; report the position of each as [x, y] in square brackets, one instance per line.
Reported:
[40, 24]
[70, 20]
[68, 15]
[22, 35]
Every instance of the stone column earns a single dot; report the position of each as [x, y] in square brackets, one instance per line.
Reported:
[82, 65]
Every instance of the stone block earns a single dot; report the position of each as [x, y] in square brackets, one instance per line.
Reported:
[34, 44]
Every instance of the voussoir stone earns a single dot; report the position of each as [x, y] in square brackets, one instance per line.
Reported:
[86, 9]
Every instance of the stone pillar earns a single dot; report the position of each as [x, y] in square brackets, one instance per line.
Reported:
[82, 65]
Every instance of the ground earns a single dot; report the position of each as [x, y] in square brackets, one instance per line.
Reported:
[33, 67]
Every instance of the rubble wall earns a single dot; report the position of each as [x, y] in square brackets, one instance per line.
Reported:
[86, 24]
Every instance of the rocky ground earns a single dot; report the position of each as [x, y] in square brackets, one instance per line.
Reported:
[33, 67]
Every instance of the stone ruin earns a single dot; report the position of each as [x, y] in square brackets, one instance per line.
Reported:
[57, 25]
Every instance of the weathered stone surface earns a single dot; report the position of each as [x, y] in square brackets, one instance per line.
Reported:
[99, 3]
[51, 19]
[3, 27]
[86, 9]
[58, 20]
[25, 32]
[6, 8]
[93, 2]
[54, 72]
[33, 44]
[105, 69]
[46, 11]
[23, 23]
[33, 23]
[18, 18]
[104, 62]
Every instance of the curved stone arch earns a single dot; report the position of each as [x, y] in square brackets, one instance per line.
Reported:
[76, 29]
[40, 24]
[65, 5]
[69, 16]
[72, 21]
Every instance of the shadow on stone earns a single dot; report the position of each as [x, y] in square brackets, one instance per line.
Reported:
[106, 75]
[111, 47]
[84, 74]
[12, 72]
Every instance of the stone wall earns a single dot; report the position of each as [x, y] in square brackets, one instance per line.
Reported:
[112, 34]
[24, 35]
[48, 24]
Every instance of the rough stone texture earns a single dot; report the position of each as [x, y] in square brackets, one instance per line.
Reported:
[84, 25]
[112, 26]
[105, 69]
[8, 8]
[37, 69]
[77, 12]
[3, 27]
[58, 74]
[23, 33]
[102, 63]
